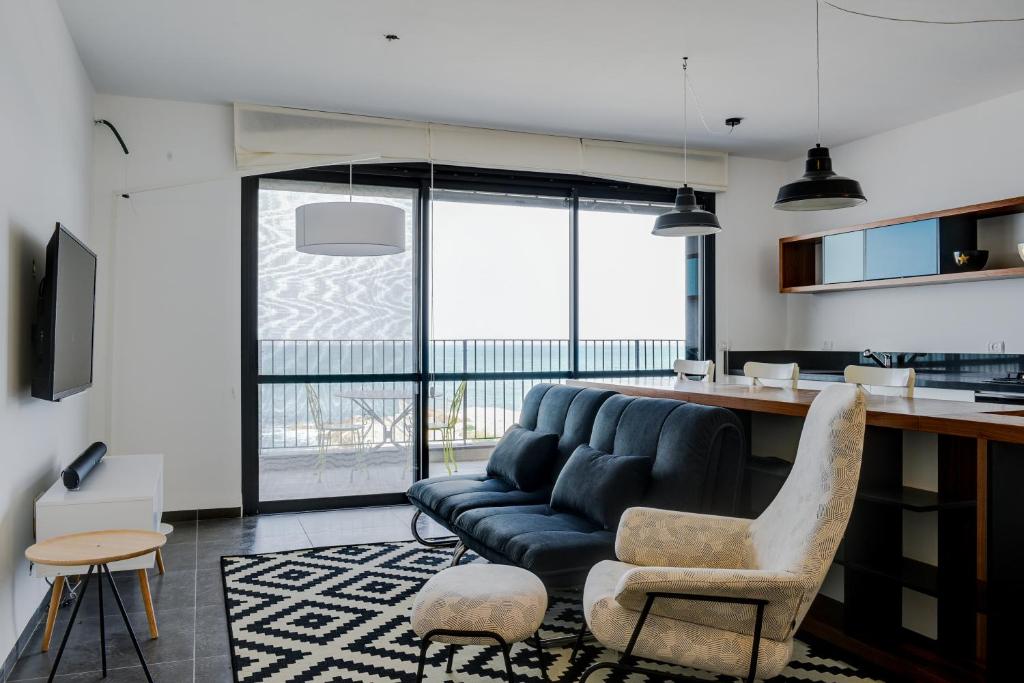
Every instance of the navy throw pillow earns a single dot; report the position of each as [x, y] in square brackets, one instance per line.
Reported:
[524, 458]
[600, 486]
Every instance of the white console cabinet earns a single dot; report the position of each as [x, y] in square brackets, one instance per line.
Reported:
[122, 492]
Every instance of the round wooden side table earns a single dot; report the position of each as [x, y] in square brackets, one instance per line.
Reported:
[97, 549]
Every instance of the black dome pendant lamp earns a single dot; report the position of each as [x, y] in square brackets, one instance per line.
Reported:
[686, 219]
[819, 188]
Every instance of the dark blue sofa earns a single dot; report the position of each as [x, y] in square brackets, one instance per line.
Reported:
[552, 408]
[697, 459]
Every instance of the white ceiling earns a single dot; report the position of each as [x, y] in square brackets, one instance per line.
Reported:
[595, 68]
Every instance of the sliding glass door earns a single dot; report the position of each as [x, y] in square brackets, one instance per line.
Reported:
[337, 357]
[363, 374]
[500, 316]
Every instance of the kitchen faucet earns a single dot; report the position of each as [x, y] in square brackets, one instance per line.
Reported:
[884, 360]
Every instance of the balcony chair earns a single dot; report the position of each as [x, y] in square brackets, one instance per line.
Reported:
[882, 381]
[725, 594]
[781, 375]
[326, 431]
[447, 427]
[703, 369]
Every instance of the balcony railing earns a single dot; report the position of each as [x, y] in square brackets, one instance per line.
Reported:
[368, 414]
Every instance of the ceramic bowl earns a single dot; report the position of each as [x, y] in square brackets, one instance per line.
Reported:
[971, 259]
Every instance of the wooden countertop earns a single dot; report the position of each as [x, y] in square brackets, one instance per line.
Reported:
[994, 421]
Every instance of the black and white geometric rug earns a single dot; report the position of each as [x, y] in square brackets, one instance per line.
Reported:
[342, 614]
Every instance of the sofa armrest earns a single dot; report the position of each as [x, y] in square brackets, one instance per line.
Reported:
[664, 538]
[737, 591]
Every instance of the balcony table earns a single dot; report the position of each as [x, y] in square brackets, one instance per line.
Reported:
[366, 399]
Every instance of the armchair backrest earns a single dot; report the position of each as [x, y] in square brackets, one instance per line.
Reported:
[800, 530]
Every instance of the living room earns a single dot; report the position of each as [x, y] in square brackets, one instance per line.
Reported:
[536, 292]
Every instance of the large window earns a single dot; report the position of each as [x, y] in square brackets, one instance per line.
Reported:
[362, 374]
[633, 291]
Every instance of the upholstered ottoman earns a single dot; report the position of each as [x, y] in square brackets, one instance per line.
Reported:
[480, 604]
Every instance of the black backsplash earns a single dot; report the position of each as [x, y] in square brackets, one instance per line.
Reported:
[941, 370]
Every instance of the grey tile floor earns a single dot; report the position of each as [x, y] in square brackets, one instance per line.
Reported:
[189, 597]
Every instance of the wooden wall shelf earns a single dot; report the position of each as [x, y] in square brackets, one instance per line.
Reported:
[976, 276]
[800, 256]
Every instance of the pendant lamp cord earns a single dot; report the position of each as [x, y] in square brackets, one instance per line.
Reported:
[817, 59]
[685, 121]
[925, 21]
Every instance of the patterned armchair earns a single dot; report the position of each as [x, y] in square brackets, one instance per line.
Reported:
[723, 594]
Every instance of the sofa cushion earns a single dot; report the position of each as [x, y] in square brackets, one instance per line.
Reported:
[557, 546]
[600, 486]
[445, 498]
[523, 458]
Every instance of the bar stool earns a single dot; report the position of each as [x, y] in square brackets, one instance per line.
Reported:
[782, 375]
[882, 381]
[97, 549]
[704, 369]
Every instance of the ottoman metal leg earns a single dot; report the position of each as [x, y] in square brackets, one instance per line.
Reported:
[540, 656]
[424, 644]
[451, 657]
[426, 640]
[508, 663]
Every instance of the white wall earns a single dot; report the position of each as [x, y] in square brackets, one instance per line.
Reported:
[964, 157]
[170, 329]
[45, 174]
[750, 312]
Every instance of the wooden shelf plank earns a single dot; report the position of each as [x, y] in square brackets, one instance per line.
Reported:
[1001, 207]
[975, 276]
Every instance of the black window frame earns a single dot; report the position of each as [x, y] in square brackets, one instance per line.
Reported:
[420, 176]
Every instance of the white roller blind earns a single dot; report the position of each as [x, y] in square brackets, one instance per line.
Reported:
[268, 138]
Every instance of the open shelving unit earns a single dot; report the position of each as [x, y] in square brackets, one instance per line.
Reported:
[800, 256]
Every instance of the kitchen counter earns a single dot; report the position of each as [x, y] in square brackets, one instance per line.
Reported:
[994, 421]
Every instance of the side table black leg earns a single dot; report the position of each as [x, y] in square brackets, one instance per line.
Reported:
[103, 629]
[127, 624]
[71, 623]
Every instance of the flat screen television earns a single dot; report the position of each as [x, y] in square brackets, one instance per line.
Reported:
[63, 333]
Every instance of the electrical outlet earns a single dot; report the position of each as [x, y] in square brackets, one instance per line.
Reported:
[828, 345]
[723, 345]
[997, 347]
